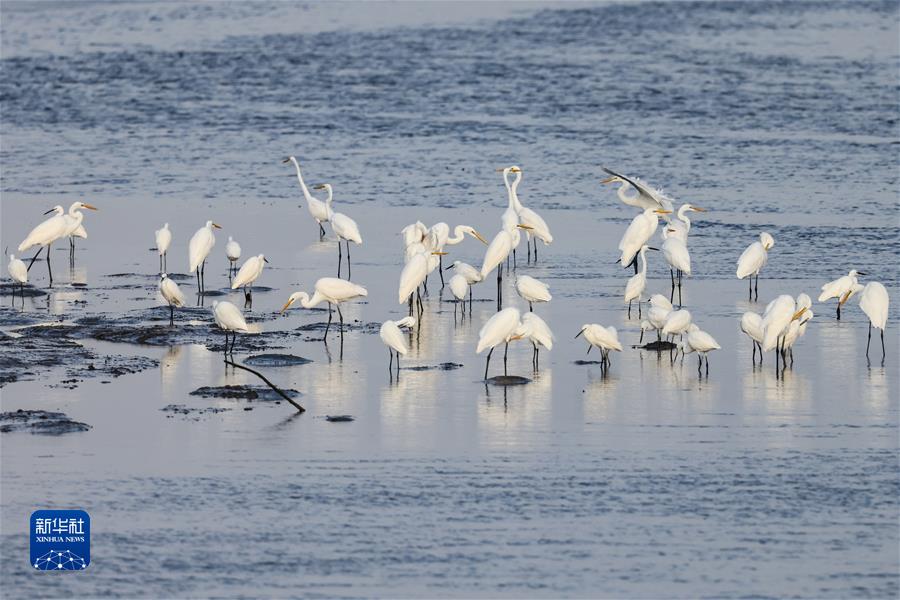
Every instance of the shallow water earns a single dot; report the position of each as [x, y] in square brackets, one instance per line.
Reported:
[650, 481]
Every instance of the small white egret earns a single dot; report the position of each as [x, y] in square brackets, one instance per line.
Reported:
[646, 197]
[752, 325]
[874, 301]
[536, 330]
[19, 273]
[233, 254]
[163, 237]
[646, 326]
[660, 307]
[502, 328]
[199, 247]
[841, 288]
[637, 283]
[700, 342]
[395, 340]
[459, 287]
[676, 253]
[249, 273]
[229, 319]
[753, 259]
[497, 251]
[532, 290]
[172, 294]
[343, 227]
[469, 273]
[677, 322]
[639, 232]
[320, 211]
[604, 338]
[332, 290]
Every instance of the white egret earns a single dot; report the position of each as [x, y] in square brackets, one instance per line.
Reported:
[681, 224]
[413, 233]
[229, 319]
[249, 273]
[677, 323]
[469, 273]
[637, 283]
[199, 247]
[646, 197]
[646, 325]
[532, 290]
[660, 307]
[343, 227]
[753, 259]
[54, 228]
[700, 342]
[752, 325]
[797, 327]
[777, 319]
[172, 294]
[320, 211]
[605, 338]
[395, 340]
[841, 288]
[497, 252]
[537, 227]
[332, 290]
[874, 301]
[414, 273]
[439, 236]
[639, 232]
[459, 287]
[75, 219]
[163, 237]
[19, 273]
[675, 251]
[538, 333]
[233, 254]
[502, 328]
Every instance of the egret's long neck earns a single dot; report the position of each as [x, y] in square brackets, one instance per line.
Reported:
[623, 195]
[330, 196]
[308, 302]
[458, 235]
[77, 215]
[509, 193]
[682, 215]
[300, 179]
[514, 197]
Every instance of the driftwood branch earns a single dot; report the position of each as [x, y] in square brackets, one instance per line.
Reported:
[269, 383]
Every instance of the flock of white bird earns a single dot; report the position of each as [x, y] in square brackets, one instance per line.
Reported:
[778, 328]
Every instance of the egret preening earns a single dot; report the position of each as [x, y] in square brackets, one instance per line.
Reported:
[646, 197]
[538, 333]
[604, 338]
[753, 259]
[320, 211]
[469, 273]
[19, 273]
[797, 327]
[636, 285]
[459, 287]
[639, 232]
[332, 290]
[532, 290]
[413, 233]
[677, 323]
[438, 236]
[841, 288]
[233, 254]
[395, 340]
[776, 321]
[537, 227]
[681, 224]
[502, 328]
[200, 246]
[163, 238]
[250, 272]
[874, 301]
[752, 325]
[646, 325]
[496, 253]
[700, 342]
[54, 228]
[343, 227]
[172, 294]
[414, 273]
[229, 318]
[675, 251]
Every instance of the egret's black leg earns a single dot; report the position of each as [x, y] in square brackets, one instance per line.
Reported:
[639, 308]
[470, 300]
[49, 271]
[410, 304]
[199, 291]
[321, 231]
[756, 288]
[750, 281]
[535, 254]
[341, 316]
[391, 361]
[171, 315]
[882, 340]
[160, 264]
[839, 311]
[707, 365]
[328, 326]
[699, 364]
[34, 258]
[203, 275]
[754, 350]
[165, 261]
[530, 307]
[340, 257]
[505, 352]
[487, 364]
[441, 269]
[629, 309]
[514, 258]
[641, 341]
[348, 259]
[868, 339]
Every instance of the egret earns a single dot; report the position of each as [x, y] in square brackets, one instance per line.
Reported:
[201, 244]
[459, 287]
[344, 228]
[636, 285]
[393, 338]
[841, 288]
[700, 342]
[320, 211]
[54, 228]
[163, 238]
[497, 252]
[753, 259]
[645, 198]
[538, 333]
[605, 338]
[532, 290]
[675, 251]
[537, 227]
[250, 272]
[677, 323]
[229, 319]
[752, 325]
[646, 325]
[19, 273]
[660, 307]
[414, 273]
[510, 217]
[172, 294]
[639, 232]
[797, 327]
[75, 227]
[413, 233]
[502, 328]
[233, 254]
[439, 236]
[469, 273]
[874, 301]
[681, 224]
[779, 315]
[332, 290]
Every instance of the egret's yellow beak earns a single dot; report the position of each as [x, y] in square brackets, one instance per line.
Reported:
[89, 206]
[698, 209]
[439, 253]
[767, 246]
[661, 211]
[610, 180]
[286, 160]
[478, 237]
[217, 226]
[287, 305]
[516, 337]
[319, 187]
[798, 314]
[526, 227]
[501, 170]
[515, 170]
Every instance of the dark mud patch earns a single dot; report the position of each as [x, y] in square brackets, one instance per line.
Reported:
[657, 346]
[244, 392]
[447, 366]
[152, 276]
[586, 362]
[8, 289]
[336, 326]
[275, 360]
[507, 380]
[115, 365]
[40, 422]
[194, 414]
[339, 418]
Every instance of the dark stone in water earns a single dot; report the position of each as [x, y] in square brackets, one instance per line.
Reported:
[657, 346]
[79, 285]
[339, 418]
[587, 362]
[243, 392]
[181, 409]
[275, 360]
[40, 422]
[447, 366]
[505, 380]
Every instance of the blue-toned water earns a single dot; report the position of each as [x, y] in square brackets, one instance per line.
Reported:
[648, 482]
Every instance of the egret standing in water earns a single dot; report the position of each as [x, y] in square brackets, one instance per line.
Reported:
[502, 328]
[537, 227]
[753, 259]
[54, 228]
[200, 246]
[163, 238]
[604, 338]
[19, 273]
[639, 232]
[413, 275]
[469, 273]
[532, 290]
[636, 285]
[752, 325]
[681, 224]
[676, 253]
[172, 294]
[841, 288]
[76, 228]
[438, 236]
[249, 273]
[874, 301]
[497, 252]
[229, 318]
[344, 228]
[395, 340]
[332, 290]
[536, 330]
[700, 342]
[233, 254]
[320, 211]
[459, 287]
